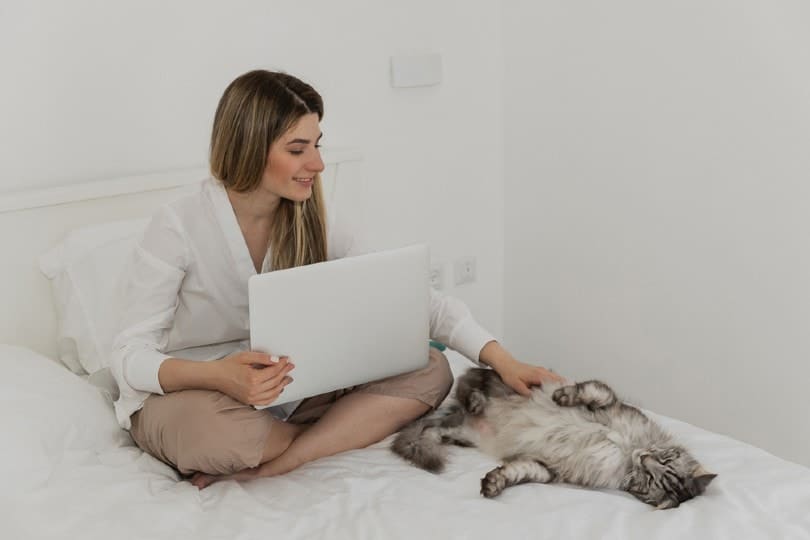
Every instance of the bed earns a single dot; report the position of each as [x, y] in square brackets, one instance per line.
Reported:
[69, 471]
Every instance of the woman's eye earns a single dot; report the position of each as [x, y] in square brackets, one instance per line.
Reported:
[300, 151]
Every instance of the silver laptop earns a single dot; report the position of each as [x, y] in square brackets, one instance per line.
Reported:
[344, 322]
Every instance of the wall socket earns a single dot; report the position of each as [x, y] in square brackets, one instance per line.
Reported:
[465, 270]
[437, 276]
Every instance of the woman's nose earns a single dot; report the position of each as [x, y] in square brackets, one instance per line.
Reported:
[316, 164]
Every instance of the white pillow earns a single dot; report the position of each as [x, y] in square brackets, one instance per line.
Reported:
[85, 271]
[49, 417]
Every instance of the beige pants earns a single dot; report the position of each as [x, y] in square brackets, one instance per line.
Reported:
[210, 432]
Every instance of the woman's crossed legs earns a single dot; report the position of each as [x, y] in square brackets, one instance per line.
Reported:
[214, 437]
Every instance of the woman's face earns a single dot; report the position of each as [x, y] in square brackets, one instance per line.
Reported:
[294, 160]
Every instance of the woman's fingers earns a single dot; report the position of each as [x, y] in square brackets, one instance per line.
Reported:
[271, 395]
[520, 387]
[275, 373]
[256, 359]
[276, 383]
[262, 377]
[555, 377]
[540, 375]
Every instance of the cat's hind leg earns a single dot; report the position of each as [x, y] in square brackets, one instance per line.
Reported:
[592, 394]
[476, 386]
[516, 470]
[422, 442]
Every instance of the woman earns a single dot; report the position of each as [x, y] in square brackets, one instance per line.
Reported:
[187, 383]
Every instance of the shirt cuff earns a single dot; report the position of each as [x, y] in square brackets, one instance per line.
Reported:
[141, 370]
[469, 338]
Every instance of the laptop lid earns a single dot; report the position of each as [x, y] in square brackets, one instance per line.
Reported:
[344, 322]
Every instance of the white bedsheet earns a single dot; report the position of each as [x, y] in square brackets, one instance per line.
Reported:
[69, 472]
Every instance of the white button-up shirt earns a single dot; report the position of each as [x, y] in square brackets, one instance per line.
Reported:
[185, 295]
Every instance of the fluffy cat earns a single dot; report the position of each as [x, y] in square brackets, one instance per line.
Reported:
[579, 434]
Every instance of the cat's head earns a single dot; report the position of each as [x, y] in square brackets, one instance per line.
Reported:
[666, 477]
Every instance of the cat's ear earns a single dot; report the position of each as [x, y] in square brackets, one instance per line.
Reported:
[702, 478]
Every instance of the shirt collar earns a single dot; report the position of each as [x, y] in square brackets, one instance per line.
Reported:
[223, 210]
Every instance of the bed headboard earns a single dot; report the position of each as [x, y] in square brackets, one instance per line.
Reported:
[33, 221]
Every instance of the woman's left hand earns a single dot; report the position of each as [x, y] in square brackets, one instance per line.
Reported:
[520, 377]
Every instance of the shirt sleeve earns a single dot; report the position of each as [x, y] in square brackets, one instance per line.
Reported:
[148, 300]
[451, 322]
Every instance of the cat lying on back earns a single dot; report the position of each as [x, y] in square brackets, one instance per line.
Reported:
[579, 434]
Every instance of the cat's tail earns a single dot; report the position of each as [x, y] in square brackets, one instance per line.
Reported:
[420, 443]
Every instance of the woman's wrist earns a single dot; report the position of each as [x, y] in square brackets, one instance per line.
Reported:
[213, 375]
[180, 374]
[495, 356]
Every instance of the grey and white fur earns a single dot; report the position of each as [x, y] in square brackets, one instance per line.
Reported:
[578, 433]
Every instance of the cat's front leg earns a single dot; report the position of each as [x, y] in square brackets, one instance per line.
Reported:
[516, 470]
[591, 394]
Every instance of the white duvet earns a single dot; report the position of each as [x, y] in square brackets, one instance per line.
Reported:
[70, 472]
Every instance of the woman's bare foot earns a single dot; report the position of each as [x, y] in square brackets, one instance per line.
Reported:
[203, 480]
[289, 433]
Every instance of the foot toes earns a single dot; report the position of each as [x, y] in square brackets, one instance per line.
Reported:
[202, 480]
[492, 484]
[564, 396]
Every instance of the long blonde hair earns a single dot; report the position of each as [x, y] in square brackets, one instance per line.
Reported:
[256, 109]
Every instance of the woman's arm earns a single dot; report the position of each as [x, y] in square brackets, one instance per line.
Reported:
[177, 374]
[148, 299]
[452, 323]
[252, 378]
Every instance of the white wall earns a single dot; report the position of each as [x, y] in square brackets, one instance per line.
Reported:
[94, 89]
[658, 205]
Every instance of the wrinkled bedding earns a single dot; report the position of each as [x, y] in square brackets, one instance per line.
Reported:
[69, 471]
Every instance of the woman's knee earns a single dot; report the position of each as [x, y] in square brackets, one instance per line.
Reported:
[199, 430]
[441, 379]
[430, 384]
[435, 380]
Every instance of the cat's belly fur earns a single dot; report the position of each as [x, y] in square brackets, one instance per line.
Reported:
[573, 447]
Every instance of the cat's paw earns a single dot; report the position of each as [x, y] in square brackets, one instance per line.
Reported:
[493, 483]
[476, 403]
[565, 396]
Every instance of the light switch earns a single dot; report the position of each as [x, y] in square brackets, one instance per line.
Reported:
[416, 70]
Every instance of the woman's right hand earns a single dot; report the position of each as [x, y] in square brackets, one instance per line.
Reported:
[253, 378]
